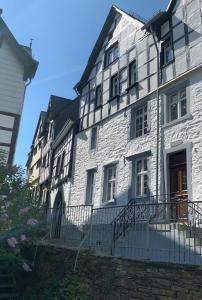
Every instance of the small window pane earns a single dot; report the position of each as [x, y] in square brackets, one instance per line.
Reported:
[183, 108]
[174, 111]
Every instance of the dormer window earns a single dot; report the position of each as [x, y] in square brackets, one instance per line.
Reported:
[167, 54]
[111, 54]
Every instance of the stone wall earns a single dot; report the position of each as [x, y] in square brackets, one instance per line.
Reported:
[109, 279]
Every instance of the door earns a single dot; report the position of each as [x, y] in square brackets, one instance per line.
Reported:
[178, 186]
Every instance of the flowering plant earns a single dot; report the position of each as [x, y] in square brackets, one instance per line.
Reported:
[20, 218]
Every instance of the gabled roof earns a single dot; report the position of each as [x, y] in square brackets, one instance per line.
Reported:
[22, 52]
[41, 120]
[101, 38]
[69, 113]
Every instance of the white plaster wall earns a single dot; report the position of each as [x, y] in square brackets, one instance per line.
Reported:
[114, 144]
[11, 80]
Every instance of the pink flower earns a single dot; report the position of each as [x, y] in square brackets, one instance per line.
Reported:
[12, 242]
[32, 222]
[24, 210]
[23, 237]
[26, 267]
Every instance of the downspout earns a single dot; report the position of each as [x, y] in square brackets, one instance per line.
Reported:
[158, 114]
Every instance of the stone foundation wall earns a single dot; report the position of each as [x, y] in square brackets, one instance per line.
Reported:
[106, 278]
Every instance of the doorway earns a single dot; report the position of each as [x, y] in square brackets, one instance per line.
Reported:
[57, 216]
[178, 185]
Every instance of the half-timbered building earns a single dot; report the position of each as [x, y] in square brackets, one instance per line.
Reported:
[140, 109]
[17, 69]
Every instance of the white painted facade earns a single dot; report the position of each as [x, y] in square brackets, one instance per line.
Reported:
[16, 67]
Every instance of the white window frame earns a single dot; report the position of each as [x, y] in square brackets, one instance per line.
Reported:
[178, 102]
[140, 174]
[112, 181]
[145, 119]
[112, 52]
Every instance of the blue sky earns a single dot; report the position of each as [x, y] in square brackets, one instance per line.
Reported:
[64, 33]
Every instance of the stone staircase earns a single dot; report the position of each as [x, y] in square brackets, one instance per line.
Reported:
[8, 289]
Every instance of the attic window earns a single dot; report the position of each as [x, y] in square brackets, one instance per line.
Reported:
[111, 54]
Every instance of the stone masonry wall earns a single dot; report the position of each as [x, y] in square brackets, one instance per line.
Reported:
[103, 278]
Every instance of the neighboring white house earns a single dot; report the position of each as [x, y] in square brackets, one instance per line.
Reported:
[17, 68]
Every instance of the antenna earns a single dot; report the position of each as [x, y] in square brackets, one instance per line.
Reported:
[31, 42]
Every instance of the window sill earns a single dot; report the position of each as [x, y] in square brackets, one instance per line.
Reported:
[138, 137]
[184, 118]
[132, 86]
[111, 99]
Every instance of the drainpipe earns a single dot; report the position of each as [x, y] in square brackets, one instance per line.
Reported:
[158, 114]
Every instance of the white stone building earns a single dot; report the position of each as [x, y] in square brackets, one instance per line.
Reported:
[123, 135]
[17, 68]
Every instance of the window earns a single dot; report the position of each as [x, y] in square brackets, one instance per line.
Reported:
[139, 121]
[98, 96]
[167, 54]
[111, 54]
[114, 86]
[177, 105]
[57, 167]
[90, 187]
[38, 163]
[141, 177]
[110, 183]
[62, 163]
[44, 160]
[93, 141]
[132, 73]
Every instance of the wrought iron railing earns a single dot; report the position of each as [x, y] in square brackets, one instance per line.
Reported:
[164, 231]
